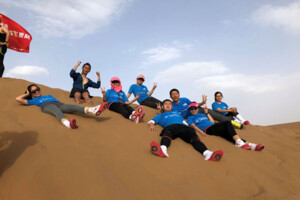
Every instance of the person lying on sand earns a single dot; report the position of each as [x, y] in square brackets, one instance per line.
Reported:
[118, 102]
[181, 105]
[175, 126]
[145, 97]
[204, 124]
[51, 105]
[82, 83]
[223, 109]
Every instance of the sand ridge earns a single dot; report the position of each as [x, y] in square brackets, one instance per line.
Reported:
[108, 157]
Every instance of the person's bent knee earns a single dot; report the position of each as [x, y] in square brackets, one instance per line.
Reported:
[77, 94]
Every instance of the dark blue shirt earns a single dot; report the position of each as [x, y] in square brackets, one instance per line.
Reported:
[168, 118]
[141, 90]
[200, 120]
[182, 107]
[113, 96]
[78, 81]
[39, 101]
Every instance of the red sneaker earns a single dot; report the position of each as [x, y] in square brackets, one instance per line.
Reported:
[138, 115]
[101, 108]
[73, 123]
[259, 147]
[156, 150]
[246, 122]
[246, 146]
[216, 156]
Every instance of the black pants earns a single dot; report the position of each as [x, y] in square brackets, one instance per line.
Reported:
[121, 108]
[3, 49]
[186, 133]
[151, 102]
[222, 129]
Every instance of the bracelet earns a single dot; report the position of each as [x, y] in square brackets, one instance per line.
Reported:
[206, 113]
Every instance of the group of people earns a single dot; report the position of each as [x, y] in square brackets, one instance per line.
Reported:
[179, 117]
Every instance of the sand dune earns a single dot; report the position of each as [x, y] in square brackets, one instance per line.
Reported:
[108, 157]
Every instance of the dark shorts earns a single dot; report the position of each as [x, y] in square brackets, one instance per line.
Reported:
[74, 90]
[174, 131]
[3, 49]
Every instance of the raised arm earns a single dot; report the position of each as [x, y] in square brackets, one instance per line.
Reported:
[73, 73]
[204, 99]
[77, 65]
[21, 99]
[208, 115]
[154, 87]
[103, 94]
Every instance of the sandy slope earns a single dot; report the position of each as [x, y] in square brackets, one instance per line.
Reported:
[109, 157]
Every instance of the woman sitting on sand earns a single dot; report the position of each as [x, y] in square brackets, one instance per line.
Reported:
[51, 105]
[204, 124]
[82, 83]
[118, 102]
[224, 109]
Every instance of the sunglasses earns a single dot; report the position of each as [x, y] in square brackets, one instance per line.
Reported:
[36, 90]
[193, 108]
[115, 81]
[140, 79]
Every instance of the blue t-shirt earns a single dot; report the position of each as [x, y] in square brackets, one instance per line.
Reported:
[222, 106]
[168, 118]
[39, 101]
[113, 96]
[139, 89]
[200, 120]
[182, 107]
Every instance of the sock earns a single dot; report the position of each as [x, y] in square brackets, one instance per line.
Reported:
[239, 143]
[239, 117]
[67, 123]
[207, 154]
[252, 145]
[164, 149]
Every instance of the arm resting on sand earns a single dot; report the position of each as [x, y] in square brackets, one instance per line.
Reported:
[21, 99]
[198, 130]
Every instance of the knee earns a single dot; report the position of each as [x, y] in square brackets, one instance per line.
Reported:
[77, 95]
[85, 95]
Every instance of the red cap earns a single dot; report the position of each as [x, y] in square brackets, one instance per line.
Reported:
[193, 104]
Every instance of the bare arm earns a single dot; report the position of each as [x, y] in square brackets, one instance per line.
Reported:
[4, 30]
[154, 87]
[208, 115]
[128, 95]
[198, 130]
[103, 94]
[21, 99]
[133, 100]
[204, 99]
[77, 65]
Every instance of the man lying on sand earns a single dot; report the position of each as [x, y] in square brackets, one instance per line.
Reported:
[204, 124]
[175, 126]
[51, 105]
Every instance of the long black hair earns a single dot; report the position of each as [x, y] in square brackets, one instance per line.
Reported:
[29, 90]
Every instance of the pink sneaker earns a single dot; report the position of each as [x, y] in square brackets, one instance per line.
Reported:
[156, 150]
[246, 146]
[216, 156]
[101, 108]
[259, 147]
[73, 123]
[246, 122]
[138, 115]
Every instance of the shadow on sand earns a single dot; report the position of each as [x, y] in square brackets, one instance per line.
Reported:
[12, 145]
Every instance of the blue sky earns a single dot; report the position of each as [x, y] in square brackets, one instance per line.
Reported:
[249, 50]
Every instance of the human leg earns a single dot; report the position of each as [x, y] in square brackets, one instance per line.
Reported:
[86, 97]
[151, 102]
[2, 68]
[122, 109]
[77, 97]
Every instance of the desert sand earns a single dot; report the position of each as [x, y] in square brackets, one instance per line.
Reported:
[108, 157]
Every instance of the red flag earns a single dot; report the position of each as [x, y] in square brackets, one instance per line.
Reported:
[19, 38]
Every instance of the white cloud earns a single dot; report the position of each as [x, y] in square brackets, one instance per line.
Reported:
[74, 18]
[26, 71]
[285, 17]
[163, 53]
[215, 76]
[190, 71]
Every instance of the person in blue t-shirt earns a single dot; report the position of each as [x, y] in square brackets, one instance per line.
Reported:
[82, 83]
[50, 105]
[118, 102]
[144, 94]
[223, 109]
[204, 124]
[181, 105]
[174, 126]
